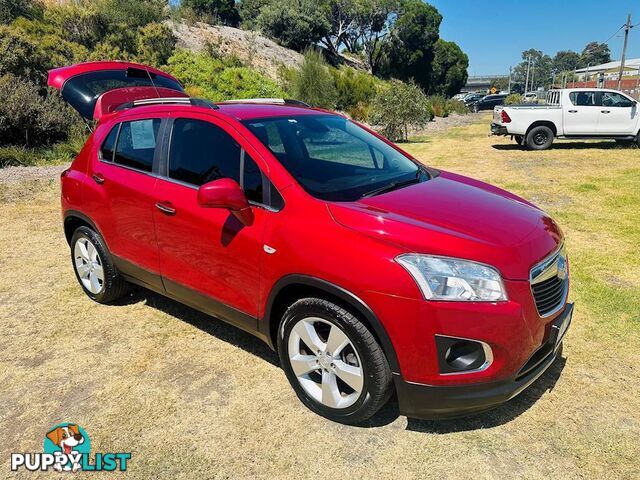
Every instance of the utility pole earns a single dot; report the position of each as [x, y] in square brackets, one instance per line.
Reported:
[509, 87]
[526, 83]
[533, 73]
[627, 27]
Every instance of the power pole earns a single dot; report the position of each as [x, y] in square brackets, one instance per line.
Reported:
[509, 87]
[627, 27]
[526, 83]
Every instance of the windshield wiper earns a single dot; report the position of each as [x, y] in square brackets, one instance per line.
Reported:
[393, 186]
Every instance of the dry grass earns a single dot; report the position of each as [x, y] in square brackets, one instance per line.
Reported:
[194, 398]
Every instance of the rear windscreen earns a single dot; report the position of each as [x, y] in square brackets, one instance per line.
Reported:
[82, 91]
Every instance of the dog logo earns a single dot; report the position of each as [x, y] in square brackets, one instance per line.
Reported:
[67, 442]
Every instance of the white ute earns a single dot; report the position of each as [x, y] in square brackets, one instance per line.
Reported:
[572, 113]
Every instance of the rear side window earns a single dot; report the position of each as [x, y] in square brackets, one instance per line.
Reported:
[202, 152]
[584, 99]
[108, 147]
[613, 99]
[137, 144]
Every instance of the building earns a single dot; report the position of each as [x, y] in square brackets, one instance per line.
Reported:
[609, 70]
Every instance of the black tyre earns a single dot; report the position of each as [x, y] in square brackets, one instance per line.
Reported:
[519, 139]
[94, 267]
[346, 385]
[475, 109]
[540, 138]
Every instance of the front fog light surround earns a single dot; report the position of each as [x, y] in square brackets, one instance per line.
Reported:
[454, 279]
[462, 355]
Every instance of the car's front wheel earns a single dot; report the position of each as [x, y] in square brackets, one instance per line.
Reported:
[333, 362]
[94, 267]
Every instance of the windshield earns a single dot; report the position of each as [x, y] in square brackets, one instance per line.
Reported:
[333, 158]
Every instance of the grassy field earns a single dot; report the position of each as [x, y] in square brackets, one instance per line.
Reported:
[193, 398]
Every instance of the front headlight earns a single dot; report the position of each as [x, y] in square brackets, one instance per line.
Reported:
[452, 279]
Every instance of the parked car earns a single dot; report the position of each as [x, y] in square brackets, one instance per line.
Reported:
[473, 97]
[575, 114]
[460, 96]
[369, 273]
[487, 102]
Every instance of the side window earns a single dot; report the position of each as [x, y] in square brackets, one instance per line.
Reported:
[109, 144]
[612, 99]
[137, 144]
[202, 152]
[252, 180]
[583, 99]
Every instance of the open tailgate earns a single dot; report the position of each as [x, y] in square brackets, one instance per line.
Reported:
[94, 89]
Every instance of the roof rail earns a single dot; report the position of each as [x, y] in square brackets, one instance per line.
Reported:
[280, 101]
[196, 102]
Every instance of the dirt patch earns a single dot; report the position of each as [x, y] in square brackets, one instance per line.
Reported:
[440, 124]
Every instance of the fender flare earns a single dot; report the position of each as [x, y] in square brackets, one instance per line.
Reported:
[75, 213]
[342, 294]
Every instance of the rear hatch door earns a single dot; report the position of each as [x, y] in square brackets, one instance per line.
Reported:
[95, 89]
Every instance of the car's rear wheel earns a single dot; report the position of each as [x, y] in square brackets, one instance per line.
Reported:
[540, 138]
[94, 267]
[475, 109]
[332, 361]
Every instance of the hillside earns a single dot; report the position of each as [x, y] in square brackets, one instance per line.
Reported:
[256, 51]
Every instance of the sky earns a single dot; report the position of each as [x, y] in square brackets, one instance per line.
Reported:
[494, 34]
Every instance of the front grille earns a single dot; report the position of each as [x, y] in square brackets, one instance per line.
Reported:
[549, 283]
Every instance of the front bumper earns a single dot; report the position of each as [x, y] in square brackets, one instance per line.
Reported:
[498, 129]
[431, 402]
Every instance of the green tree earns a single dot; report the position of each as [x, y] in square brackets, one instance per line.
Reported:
[449, 69]
[595, 53]
[296, 24]
[12, 9]
[399, 106]
[155, 44]
[22, 57]
[565, 60]
[250, 11]
[313, 83]
[410, 49]
[223, 11]
[539, 72]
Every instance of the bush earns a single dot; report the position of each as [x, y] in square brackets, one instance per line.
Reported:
[399, 106]
[27, 118]
[12, 9]
[217, 79]
[313, 83]
[354, 90]
[52, 42]
[295, 25]
[78, 24]
[439, 106]
[214, 11]
[22, 57]
[513, 99]
[156, 42]
[456, 106]
[133, 13]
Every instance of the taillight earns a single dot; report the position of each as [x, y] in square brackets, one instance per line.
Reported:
[505, 117]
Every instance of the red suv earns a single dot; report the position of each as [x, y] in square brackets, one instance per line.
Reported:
[368, 272]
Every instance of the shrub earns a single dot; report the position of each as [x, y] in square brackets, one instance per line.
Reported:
[439, 106]
[12, 9]
[456, 106]
[156, 42]
[52, 42]
[295, 25]
[133, 13]
[217, 79]
[399, 106]
[513, 99]
[214, 11]
[78, 24]
[353, 88]
[313, 83]
[28, 119]
[21, 56]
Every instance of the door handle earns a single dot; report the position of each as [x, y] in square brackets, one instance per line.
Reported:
[573, 111]
[605, 111]
[99, 179]
[166, 208]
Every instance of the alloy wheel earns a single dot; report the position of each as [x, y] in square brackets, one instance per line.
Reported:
[325, 363]
[88, 265]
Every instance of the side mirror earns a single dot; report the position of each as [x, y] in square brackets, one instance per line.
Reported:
[226, 193]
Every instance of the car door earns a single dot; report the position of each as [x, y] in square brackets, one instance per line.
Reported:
[618, 114]
[582, 114]
[122, 205]
[208, 258]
